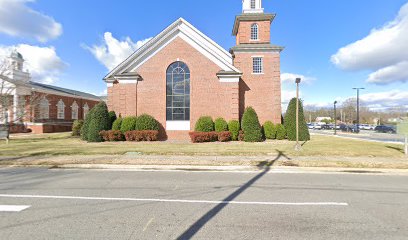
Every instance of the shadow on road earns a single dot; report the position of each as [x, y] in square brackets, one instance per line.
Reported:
[396, 148]
[195, 227]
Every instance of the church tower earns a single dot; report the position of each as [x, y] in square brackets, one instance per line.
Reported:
[259, 60]
[15, 67]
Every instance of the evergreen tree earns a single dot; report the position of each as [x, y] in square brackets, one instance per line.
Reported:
[251, 127]
[290, 122]
[99, 121]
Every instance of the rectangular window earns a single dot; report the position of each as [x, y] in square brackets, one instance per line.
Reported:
[253, 4]
[257, 65]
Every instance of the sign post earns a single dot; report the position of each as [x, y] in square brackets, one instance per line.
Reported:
[402, 129]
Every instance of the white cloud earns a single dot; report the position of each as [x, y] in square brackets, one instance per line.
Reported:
[382, 51]
[42, 62]
[17, 19]
[393, 98]
[291, 77]
[113, 51]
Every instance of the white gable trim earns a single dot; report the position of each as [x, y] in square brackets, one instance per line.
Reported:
[180, 28]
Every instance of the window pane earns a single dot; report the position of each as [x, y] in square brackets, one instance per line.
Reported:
[178, 110]
[178, 92]
[187, 118]
[187, 101]
[169, 115]
[168, 101]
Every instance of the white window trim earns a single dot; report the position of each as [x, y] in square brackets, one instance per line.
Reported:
[178, 125]
[59, 110]
[74, 107]
[45, 114]
[257, 32]
[86, 110]
[262, 65]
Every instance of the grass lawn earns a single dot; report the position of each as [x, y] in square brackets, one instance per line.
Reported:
[64, 144]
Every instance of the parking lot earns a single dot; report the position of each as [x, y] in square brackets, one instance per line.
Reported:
[364, 134]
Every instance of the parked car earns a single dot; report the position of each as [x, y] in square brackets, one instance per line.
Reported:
[310, 125]
[317, 126]
[349, 128]
[385, 129]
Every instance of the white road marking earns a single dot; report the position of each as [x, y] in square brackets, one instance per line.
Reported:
[148, 223]
[177, 200]
[13, 208]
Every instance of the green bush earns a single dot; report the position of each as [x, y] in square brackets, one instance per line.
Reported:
[146, 122]
[269, 130]
[112, 118]
[128, 124]
[116, 124]
[221, 125]
[85, 126]
[204, 124]
[251, 127]
[99, 122]
[290, 122]
[76, 127]
[280, 132]
[234, 128]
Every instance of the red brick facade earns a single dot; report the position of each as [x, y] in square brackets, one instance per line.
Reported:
[209, 95]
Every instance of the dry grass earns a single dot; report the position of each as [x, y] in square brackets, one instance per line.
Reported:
[64, 144]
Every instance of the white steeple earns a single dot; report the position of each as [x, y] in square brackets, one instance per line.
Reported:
[15, 67]
[252, 6]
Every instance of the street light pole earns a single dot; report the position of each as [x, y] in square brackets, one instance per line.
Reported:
[358, 108]
[297, 147]
[335, 119]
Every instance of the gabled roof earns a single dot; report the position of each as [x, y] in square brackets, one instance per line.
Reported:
[183, 29]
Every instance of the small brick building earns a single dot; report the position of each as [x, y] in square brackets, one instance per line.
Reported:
[181, 75]
[27, 105]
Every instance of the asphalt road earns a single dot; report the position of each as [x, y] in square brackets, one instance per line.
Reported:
[89, 204]
[365, 134]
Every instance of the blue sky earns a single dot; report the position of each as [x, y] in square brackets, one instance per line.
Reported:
[72, 43]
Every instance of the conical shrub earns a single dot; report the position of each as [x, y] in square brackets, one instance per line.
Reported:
[99, 121]
[251, 127]
[290, 122]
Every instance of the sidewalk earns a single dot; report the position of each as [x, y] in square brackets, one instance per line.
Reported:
[253, 162]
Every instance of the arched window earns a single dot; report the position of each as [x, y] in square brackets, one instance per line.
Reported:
[254, 31]
[61, 109]
[74, 109]
[86, 110]
[44, 109]
[253, 4]
[178, 92]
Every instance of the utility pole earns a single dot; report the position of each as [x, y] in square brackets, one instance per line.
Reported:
[297, 147]
[358, 108]
[335, 119]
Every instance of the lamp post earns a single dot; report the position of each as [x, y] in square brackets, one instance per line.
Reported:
[358, 108]
[335, 119]
[297, 147]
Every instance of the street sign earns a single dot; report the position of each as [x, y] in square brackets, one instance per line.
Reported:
[402, 129]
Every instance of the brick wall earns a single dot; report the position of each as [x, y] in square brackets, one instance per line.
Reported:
[208, 95]
[244, 32]
[261, 91]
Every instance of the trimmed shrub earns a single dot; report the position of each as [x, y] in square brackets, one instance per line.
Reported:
[145, 135]
[251, 127]
[112, 118]
[112, 136]
[290, 122]
[204, 124]
[220, 125]
[269, 130]
[200, 137]
[128, 124]
[280, 132]
[241, 136]
[85, 126]
[234, 127]
[224, 136]
[117, 124]
[76, 127]
[146, 122]
[99, 121]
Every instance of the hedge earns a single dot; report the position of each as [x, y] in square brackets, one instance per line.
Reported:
[220, 125]
[112, 118]
[290, 122]
[204, 124]
[200, 137]
[280, 132]
[251, 127]
[234, 127]
[112, 136]
[128, 124]
[76, 127]
[85, 126]
[146, 122]
[269, 130]
[224, 136]
[117, 124]
[99, 121]
[145, 135]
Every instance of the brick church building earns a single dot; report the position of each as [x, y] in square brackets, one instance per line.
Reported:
[181, 75]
